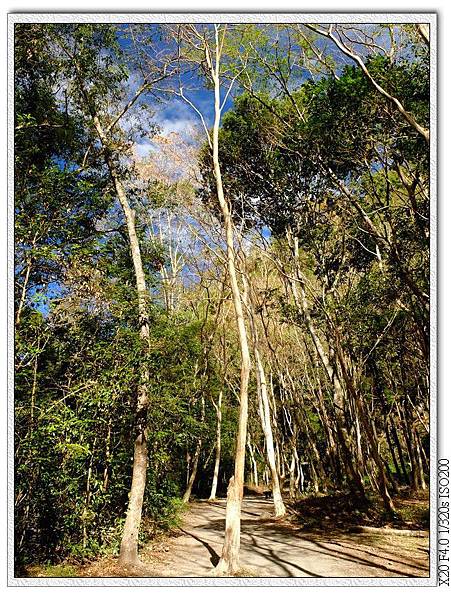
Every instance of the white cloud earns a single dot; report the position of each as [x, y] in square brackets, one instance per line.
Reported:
[144, 148]
[176, 117]
[177, 125]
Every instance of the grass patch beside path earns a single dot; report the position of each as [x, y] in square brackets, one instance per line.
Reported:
[61, 570]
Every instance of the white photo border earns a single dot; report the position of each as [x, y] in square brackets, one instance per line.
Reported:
[235, 17]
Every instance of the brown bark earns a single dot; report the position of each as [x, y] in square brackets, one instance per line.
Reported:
[361, 408]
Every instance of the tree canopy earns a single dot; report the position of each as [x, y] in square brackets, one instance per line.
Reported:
[221, 274]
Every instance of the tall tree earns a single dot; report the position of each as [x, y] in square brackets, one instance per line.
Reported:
[97, 72]
[205, 46]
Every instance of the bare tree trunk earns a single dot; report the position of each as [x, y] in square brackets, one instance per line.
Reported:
[128, 554]
[292, 471]
[192, 477]
[264, 408]
[358, 437]
[315, 481]
[229, 562]
[129, 543]
[322, 474]
[107, 458]
[424, 131]
[301, 478]
[355, 479]
[400, 452]
[33, 391]
[214, 484]
[370, 433]
[265, 417]
[424, 457]
[24, 292]
[254, 463]
[414, 471]
[423, 29]
[393, 454]
[88, 496]
[419, 460]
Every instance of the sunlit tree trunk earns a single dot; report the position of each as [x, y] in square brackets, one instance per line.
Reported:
[347, 49]
[23, 293]
[253, 462]
[214, 485]
[192, 477]
[264, 408]
[292, 472]
[229, 562]
[265, 417]
[128, 554]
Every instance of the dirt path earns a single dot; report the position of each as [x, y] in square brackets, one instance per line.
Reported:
[277, 549]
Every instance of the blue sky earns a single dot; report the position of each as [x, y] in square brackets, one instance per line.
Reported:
[174, 115]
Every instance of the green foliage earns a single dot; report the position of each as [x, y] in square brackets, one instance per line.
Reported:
[73, 456]
[331, 163]
[59, 571]
[78, 354]
[310, 159]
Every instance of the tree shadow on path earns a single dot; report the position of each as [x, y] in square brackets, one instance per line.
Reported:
[214, 556]
[271, 555]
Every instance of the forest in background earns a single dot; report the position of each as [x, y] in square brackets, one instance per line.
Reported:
[221, 274]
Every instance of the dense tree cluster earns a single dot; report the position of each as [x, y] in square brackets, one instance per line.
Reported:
[257, 303]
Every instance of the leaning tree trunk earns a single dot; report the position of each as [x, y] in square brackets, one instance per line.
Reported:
[229, 562]
[265, 417]
[382, 484]
[400, 452]
[192, 477]
[355, 478]
[292, 473]
[392, 452]
[263, 405]
[253, 462]
[419, 459]
[414, 474]
[128, 554]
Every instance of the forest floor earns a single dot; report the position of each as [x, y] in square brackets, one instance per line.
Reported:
[307, 543]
